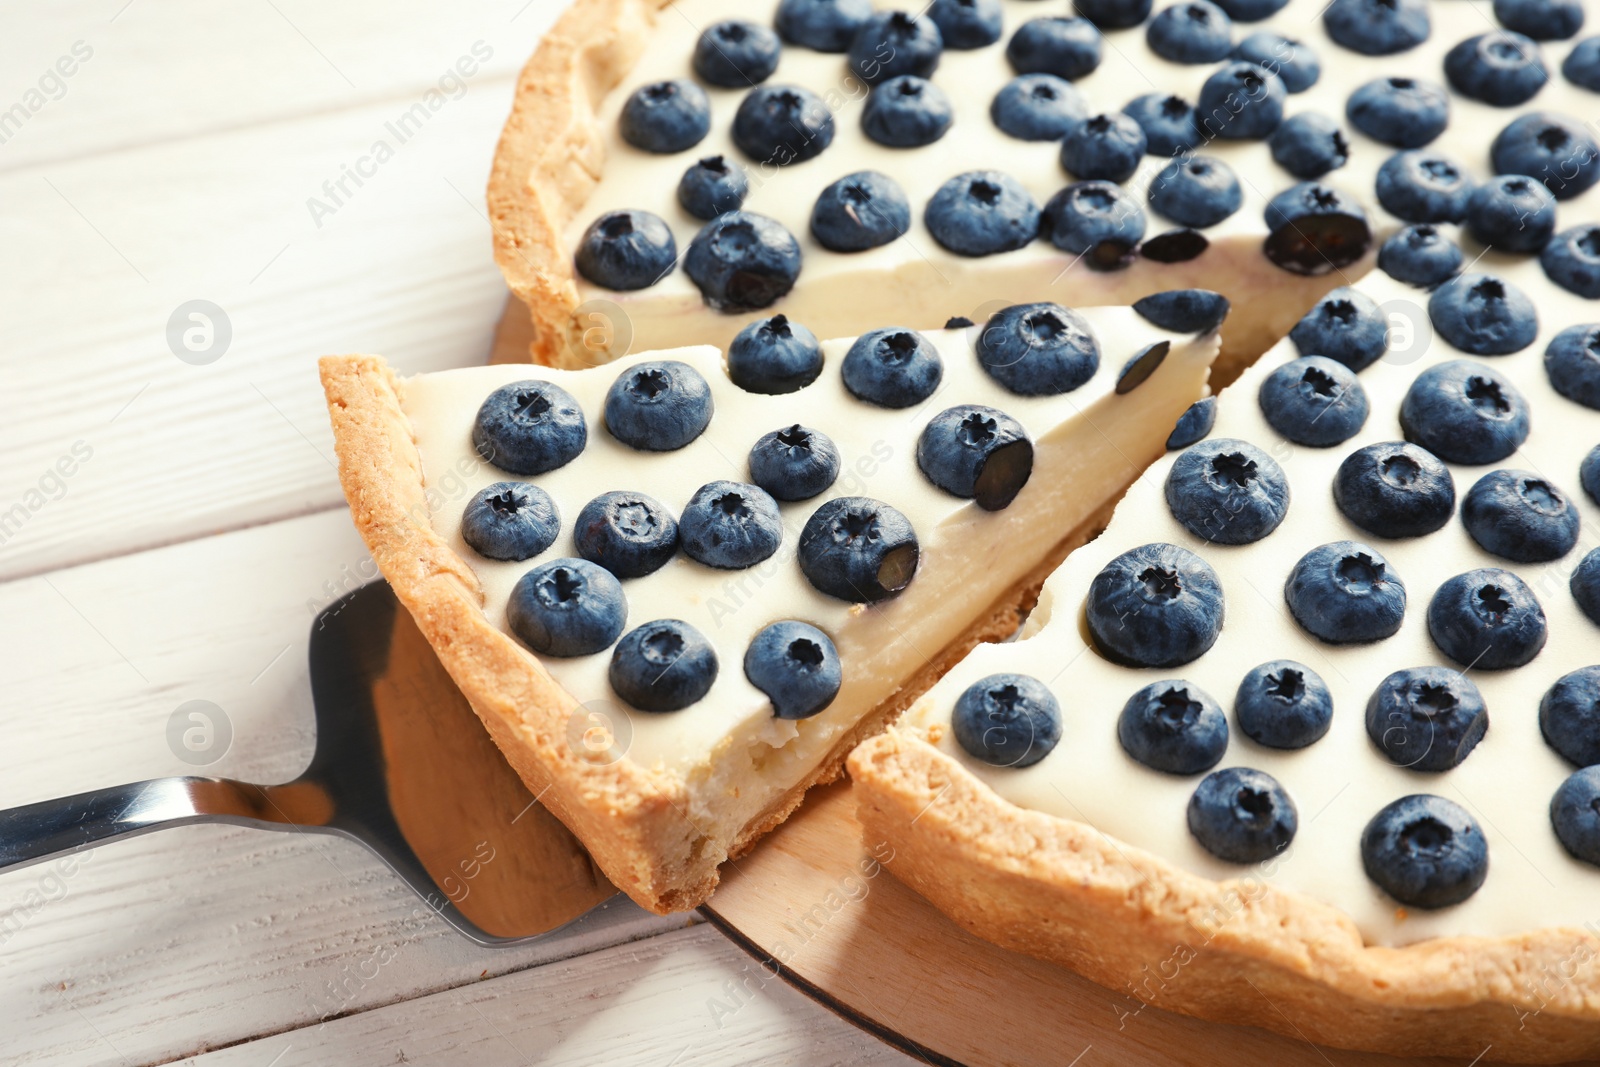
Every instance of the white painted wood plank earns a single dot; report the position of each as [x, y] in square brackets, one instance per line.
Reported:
[200, 936]
[687, 999]
[98, 76]
[100, 252]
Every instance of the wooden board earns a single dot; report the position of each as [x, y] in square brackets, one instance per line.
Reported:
[822, 908]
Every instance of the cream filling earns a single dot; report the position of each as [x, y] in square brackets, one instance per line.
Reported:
[1341, 781]
[735, 757]
[840, 294]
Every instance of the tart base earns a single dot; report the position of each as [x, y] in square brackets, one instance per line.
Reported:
[634, 820]
[1235, 951]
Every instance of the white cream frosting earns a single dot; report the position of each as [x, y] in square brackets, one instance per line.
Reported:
[735, 757]
[1339, 782]
[845, 293]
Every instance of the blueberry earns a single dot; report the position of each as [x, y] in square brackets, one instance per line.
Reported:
[1175, 246]
[1196, 191]
[1192, 31]
[626, 250]
[982, 212]
[1589, 474]
[1572, 261]
[1107, 147]
[1315, 229]
[796, 666]
[1420, 255]
[858, 549]
[1289, 59]
[658, 406]
[1463, 412]
[1377, 27]
[1174, 727]
[666, 116]
[860, 211]
[567, 607]
[977, 453]
[1575, 814]
[1420, 186]
[1097, 221]
[795, 463]
[1425, 852]
[1037, 107]
[1585, 585]
[664, 665]
[1283, 704]
[1483, 315]
[1038, 349]
[1427, 718]
[1168, 123]
[1501, 68]
[1346, 326]
[1569, 716]
[1512, 213]
[730, 525]
[1157, 605]
[823, 25]
[529, 427]
[774, 356]
[1114, 14]
[1241, 815]
[967, 24]
[1543, 20]
[736, 54]
[906, 112]
[741, 261]
[1487, 619]
[782, 124]
[1066, 47]
[1395, 489]
[1518, 515]
[1403, 112]
[712, 186]
[1251, 10]
[1345, 593]
[1007, 720]
[1184, 310]
[1309, 145]
[892, 43]
[1572, 362]
[1552, 148]
[1194, 424]
[510, 521]
[1582, 65]
[1314, 401]
[1241, 101]
[892, 368]
[629, 534]
[1141, 365]
[1227, 491]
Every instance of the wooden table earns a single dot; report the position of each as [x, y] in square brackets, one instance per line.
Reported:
[169, 523]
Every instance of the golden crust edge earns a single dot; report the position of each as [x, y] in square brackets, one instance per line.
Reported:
[1235, 951]
[551, 153]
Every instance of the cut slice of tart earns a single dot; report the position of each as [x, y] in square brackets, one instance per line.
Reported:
[1299, 740]
[638, 121]
[676, 601]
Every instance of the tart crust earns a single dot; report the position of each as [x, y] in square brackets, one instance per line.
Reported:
[1236, 951]
[634, 820]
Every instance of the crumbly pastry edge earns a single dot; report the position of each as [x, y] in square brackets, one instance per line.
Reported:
[1236, 951]
[550, 157]
[634, 820]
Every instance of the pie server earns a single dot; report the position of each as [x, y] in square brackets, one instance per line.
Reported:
[402, 765]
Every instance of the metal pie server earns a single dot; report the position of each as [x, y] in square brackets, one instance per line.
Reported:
[402, 765]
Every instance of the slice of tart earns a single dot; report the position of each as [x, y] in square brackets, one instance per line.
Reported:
[672, 171]
[1308, 738]
[679, 589]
